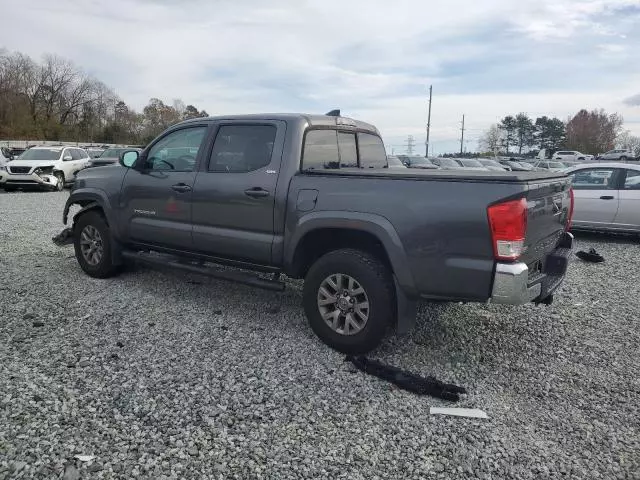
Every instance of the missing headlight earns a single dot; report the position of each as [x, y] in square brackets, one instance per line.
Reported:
[43, 171]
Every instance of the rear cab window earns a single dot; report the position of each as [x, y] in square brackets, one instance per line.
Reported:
[331, 149]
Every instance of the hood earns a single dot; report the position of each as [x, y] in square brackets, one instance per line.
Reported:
[101, 161]
[31, 163]
[107, 178]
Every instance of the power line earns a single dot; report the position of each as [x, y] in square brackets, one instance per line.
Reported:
[428, 122]
[462, 137]
[410, 144]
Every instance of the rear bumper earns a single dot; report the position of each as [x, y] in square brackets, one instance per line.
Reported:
[515, 284]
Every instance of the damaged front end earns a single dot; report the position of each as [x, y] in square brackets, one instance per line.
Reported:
[65, 237]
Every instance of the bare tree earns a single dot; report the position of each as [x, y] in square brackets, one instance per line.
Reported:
[491, 140]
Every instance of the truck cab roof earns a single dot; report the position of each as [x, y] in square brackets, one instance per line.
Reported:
[312, 120]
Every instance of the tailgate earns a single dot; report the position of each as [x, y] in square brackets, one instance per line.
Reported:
[548, 204]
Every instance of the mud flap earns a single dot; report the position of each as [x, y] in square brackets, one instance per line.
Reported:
[407, 310]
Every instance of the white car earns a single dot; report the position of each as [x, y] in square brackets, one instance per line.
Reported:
[572, 156]
[612, 155]
[3, 161]
[45, 167]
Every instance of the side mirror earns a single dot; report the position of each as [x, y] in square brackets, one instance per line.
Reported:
[128, 158]
[67, 158]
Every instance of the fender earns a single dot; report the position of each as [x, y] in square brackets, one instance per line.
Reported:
[92, 198]
[376, 225]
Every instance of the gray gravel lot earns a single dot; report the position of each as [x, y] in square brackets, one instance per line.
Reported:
[166, 375]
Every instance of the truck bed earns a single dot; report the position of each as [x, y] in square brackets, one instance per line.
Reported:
[441, 175]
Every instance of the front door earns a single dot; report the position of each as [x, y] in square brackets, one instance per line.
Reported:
[596, 197]
[628, 217]
[155, 199]
[233, 197]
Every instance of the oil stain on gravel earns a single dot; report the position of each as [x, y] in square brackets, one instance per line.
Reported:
[230, 382]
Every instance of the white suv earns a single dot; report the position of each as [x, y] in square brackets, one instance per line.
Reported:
[572, 156]
[47, 167]
[621, 155]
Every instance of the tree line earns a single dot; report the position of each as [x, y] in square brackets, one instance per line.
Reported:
[55, 100]
[589, 132]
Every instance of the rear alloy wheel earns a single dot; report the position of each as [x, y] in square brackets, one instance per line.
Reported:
[349, 300]
[92, 244]
[59, 181]
[343, 304]
[623, 158]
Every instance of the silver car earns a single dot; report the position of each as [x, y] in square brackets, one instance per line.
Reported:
[471, 164]
[550, 165]
[612, 155]
[607, 196]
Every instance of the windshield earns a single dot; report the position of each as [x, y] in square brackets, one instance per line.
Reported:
[471, 163]
[524, 165]
[40, 154]
[419, 161]
[491, 163]
[112, 153]
[447, 162]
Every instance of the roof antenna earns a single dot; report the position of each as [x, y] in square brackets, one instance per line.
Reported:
[333, 113]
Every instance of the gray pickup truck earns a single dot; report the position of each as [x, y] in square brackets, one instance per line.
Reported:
[311, 197]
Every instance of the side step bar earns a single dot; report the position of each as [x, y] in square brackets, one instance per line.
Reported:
[209, 271]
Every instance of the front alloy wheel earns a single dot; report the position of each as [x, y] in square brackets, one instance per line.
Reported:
[91, 245]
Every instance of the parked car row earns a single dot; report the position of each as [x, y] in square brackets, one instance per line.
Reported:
[498, 164]
[52, 167]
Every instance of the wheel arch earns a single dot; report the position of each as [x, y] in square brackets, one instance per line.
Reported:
[320, 232]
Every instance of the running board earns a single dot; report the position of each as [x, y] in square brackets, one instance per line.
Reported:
[177, 263]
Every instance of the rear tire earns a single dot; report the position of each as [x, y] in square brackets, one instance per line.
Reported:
[93, 246]
[368, 281]
[623, 158]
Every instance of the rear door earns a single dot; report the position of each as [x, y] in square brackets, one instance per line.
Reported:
[155, 200]
[234, 192]
[628, 216]
[596, 197]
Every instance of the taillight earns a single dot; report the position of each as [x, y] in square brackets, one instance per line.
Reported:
[508, 223]
[570, 216]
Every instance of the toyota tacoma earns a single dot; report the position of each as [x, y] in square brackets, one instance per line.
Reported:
[311, 197]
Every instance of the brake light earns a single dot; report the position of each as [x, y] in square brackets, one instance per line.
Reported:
[570, 216]
[508, 223]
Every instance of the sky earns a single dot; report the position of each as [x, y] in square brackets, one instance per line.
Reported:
[372, 59]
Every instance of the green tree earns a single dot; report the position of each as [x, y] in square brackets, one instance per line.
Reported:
[549, 133]
[508, 126]
[524, 131]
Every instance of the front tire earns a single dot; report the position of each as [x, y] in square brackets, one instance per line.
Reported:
[349, 300]
[93, 246]
[623, 158]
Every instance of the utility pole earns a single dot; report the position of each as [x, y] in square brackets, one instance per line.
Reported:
[462, 137]
[428, 122]
[410, 144]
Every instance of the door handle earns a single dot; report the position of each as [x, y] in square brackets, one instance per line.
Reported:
[181, 188]
[606, 197]
[256, 192]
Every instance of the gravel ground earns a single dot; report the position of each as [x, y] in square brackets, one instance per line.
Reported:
[166, 375]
